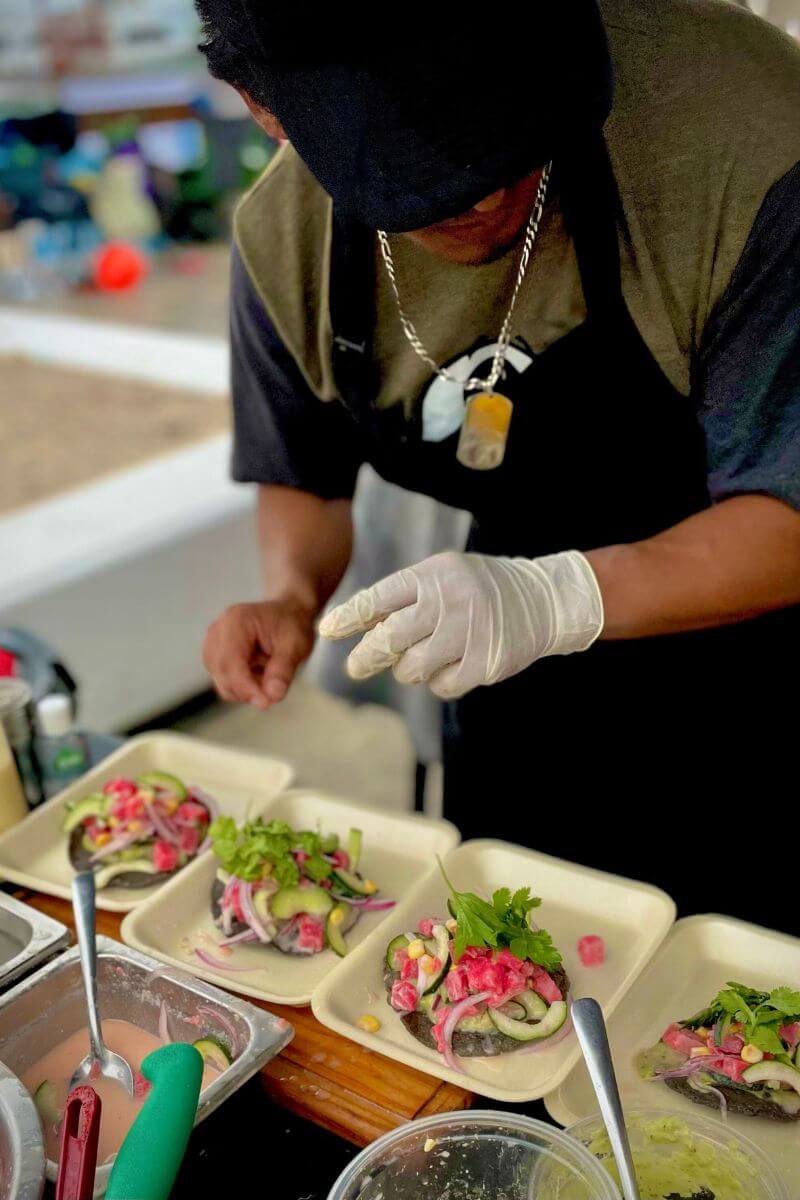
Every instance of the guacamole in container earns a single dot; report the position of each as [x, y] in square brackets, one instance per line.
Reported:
[680, 1156]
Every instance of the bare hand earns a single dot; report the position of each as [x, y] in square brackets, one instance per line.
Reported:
[252, 651]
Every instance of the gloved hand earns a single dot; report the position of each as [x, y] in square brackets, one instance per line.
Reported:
[456, 621]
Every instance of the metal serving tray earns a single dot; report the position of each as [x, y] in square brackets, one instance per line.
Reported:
[27, 939]
[48, 1006]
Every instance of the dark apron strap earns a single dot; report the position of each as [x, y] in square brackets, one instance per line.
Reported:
[351, 299]
[592, 212]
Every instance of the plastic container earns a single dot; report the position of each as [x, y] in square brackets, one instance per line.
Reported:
[665, 1143]
[475, 1156]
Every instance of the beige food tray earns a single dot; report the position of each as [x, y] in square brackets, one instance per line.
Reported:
[632, 918]
[695, 962]
[34, 853]
[398, 851]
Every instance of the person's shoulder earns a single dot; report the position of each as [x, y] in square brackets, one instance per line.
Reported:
[706, 76]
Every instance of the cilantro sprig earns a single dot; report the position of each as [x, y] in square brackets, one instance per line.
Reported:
[501, 923]
[761, 1015]
[244, 851]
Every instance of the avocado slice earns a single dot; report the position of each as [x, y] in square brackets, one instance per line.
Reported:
[354, 841]
[162, 779]
[95, 805]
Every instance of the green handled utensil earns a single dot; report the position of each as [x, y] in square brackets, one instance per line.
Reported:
[151, 1155]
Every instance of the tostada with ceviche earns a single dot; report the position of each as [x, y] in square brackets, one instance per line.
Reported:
[135, 833]
[741, 1054]
[297, 891]
[485, 981]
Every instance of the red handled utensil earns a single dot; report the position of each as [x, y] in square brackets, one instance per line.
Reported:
[80, 1130]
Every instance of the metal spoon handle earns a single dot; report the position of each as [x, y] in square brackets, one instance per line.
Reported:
[84, 909]
[590, 1027]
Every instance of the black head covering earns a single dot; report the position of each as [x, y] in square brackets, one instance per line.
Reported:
[405, 125]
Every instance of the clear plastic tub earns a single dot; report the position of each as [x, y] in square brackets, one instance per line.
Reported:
[475, 1156]
[681, 1152]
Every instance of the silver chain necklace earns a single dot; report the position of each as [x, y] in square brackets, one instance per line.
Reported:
[504, 337]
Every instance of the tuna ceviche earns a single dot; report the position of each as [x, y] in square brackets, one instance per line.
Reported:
[137, 832]
[741, 1054]
[483, 982]
[299, 891]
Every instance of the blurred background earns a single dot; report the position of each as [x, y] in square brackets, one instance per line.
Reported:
[121, 537]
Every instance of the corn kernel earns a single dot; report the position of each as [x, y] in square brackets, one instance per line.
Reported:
[700, 1052]
[112, 821]
[426, 964]
[702, 1032]
[429, 1144]
[452, 925]
[146, 795]
[102, 838]
[336, 917]
[266, 870]
[368, 1023]
[135, 826]
[752, 1054]
[416, 949]
[370, 888]
[172, 805]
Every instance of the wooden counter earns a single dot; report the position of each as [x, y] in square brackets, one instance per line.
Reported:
[320, 1075]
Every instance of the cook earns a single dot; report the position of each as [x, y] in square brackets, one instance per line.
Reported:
[543, 266]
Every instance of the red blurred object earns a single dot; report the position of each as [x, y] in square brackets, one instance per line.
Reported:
[8, 663]
[80, 1131]
[118, 266]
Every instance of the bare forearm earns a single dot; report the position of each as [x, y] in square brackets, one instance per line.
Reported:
[739, 559]
[306, 543]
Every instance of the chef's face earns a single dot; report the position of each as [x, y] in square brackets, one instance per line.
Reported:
[483, 233]
[486, 230]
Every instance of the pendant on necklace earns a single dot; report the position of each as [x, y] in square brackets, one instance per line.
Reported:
[484, 434]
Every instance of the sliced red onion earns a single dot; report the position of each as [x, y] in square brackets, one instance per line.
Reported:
[239, 939]
[164, 827]
[163, 1024]
[217, 963]
[223, 1023]
[250, 915]
[449, 1025]
[367, 904]
[117, 843]
[707, 1089]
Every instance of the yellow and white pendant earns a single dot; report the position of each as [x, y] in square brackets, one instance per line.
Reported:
[484, 434]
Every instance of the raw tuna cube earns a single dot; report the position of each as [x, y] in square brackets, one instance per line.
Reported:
[592, 950]
[404, 996]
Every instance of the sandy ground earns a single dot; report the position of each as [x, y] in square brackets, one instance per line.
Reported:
[64, 427]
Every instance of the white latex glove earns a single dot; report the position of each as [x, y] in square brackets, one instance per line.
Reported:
[456, 621]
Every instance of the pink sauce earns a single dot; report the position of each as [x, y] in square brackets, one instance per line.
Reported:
[119, 1109]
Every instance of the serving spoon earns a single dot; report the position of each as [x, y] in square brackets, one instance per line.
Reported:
[100, 1060]
[587, 1017]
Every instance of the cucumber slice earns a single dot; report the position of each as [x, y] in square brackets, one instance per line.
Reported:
[105, 875]
[522, 1031]
[513, 1010]
[438, 947]
[348, 882]
[261, 904]
[290, 901]
[95, 805]
[777, 1072]
[535, 1007]
[213, 1053]
[161, 779]
[45, 1100]
[401, 942]
[354, 840]
[330, 843]
[334, 928]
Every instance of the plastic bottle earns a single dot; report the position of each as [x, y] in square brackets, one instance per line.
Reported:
[13, 805]
[61, 750]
